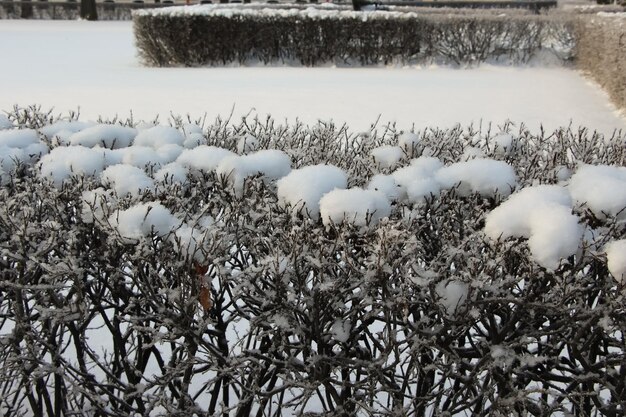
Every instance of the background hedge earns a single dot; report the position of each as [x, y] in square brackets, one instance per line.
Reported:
[213, 36]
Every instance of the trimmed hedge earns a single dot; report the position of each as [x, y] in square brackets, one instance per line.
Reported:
[601, 53]
[525, 340]
[217, 36]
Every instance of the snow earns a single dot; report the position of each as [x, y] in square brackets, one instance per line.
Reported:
[452, 294]
[126, 179]
[105, 135]
[142, 220]
[616, 259]
[340, 331]
[271, 164]
[408, 141]
[303, 188]
[159, 136]
[203, 158]
[63, 163]
[388, 186]
[387, 156]
[355, 205]
[246, 144]
[96, 204]
[94, 65]
[484, 176]
[5, 123]
[62, 130]
[172, 173]
[543, 215]
[601, 188]
[502, 144]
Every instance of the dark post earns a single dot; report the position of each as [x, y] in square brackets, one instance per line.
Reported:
[27, 9]
[88, 9]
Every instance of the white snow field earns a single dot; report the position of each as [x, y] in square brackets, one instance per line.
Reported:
[93, 65]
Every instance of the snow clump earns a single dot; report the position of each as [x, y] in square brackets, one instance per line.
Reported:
[159, 136]
[503, 144]
[143, 219]
[616, 259]
[408, 141]
[65, 162]
[172, 173]
[272, 164]
[355, 205]
[203, 159]
[5, 123]
[126, 179]
[303, 188]
[387, 156]
[452, 294]
[20, 147]
[601, 188]
[96, 204]
[484, 176]
[543, 215]
[387, 185]
[247, 144]
[104, 135]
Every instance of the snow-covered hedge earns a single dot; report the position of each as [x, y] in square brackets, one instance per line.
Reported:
[261, 269]
[601, 52]
[215, 35]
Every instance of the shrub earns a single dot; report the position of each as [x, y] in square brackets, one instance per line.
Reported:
[601, 53]
[217, 36]
[189, 298]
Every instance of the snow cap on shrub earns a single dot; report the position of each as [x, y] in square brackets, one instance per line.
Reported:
[126, 179]
[616, 259]
[355, 205]
[387, 156]
[66, 128]
[96, 204]
[142, 219]
[601, 188]
[203, 158]
[502, 144]
[5, 123]
[159, 136]
[62, 163]
[247, 144]
[387, 185]
[543, 215]
[104, 135]
[18, 138]
[408, 141]
[172, 173]
[303, 188]
[272, 164]
[484, 176]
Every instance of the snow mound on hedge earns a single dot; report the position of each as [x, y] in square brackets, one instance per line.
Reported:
[104, 135]
[5, 123]
[20, 147]
[65, 162]
[203, 158]
[616, 259]
[143, 156]
[386, 156]
[63, 130]
[601, 188]
[159, 136]
[96, 204]
[484, 176]
[408, 141]
[143, 219]
[172, 173]
[247, 144]
[272, 164]
[543, 215]
[303, 188]
[417, 179]
[387, 185]
[355, 205]
[126, 179]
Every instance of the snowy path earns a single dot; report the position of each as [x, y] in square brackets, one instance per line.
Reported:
[93, 65]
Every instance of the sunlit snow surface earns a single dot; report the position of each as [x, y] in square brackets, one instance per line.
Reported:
[93, 65]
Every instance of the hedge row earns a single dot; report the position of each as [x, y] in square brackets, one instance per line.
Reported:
[214, 36]
[601, 53]
[270, 336]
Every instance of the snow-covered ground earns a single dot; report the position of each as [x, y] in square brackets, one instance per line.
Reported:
[93, 65]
